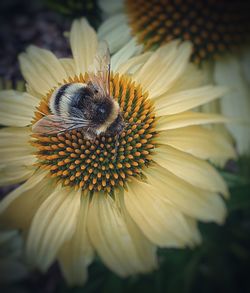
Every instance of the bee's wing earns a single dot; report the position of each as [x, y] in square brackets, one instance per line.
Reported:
[53, 124]
[99, 72]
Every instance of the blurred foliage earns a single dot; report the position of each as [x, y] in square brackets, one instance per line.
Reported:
[18, 85]
[77, 8]
[26, 22]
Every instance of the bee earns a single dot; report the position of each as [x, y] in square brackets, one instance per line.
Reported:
[88, 106]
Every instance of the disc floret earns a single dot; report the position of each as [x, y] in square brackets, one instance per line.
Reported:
[213, 27]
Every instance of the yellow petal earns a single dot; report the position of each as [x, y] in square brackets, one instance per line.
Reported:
[198, 141]
[13, 173]
[191, 169]
[116, 32]
[187, 99]
[164, 67]
[110, 24]
[110, 237]
[18, 208]
[160, 221]
[193, 224]
[187, 119]
[16, 155]
[236, 103]
[129, 50]
[133, 64]
[77, 253]
[14, 145]
[41, 69]
[18, 136]
[193, 202]
[16, 108]
[215, 107]
[83, 41]
[146, 250]
[53, 224]
[192, 77]
[69, 66]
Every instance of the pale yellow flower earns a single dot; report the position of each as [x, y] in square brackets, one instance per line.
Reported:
[78, 198]
[219, 32]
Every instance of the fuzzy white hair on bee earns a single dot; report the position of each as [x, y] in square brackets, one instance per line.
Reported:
[61, 98]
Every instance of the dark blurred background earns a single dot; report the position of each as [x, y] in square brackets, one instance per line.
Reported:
[220, 264]
[39, 22]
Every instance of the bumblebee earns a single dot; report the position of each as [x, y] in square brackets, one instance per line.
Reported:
[88, 106]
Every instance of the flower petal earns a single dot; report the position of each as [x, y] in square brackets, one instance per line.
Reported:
[187, 119]
[198, 141]
[191, 78]
[164, 67]
[16, 155]
[195, 171]
[15, 173]
[236, 103]
[123, 55]
[69, 66]
[188, 99]
[18, 208]
[133, 64]
[16, 108]
[146, 250]
[53, 224]
[41, 69]
[160, 221]
[110, 237]
[116, 32]
[77, 253]
[83, 41]
[193, 202]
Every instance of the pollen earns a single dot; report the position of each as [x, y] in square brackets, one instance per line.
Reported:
[107, 162]
[213, 27]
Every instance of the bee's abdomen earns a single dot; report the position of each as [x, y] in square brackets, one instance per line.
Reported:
[56, 99]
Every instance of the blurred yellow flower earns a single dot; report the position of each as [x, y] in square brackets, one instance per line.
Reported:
[219, 32]
[78, 198]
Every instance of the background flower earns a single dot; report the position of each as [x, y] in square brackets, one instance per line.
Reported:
[219, 32]
[79, 198]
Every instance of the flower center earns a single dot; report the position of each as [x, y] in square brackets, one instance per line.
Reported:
[212, 26]
[107, 162]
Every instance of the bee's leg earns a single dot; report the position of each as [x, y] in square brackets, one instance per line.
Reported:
[90, 135]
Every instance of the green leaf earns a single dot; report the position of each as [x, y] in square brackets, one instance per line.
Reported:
[240, 198]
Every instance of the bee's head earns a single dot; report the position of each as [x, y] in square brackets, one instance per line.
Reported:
[90, 104]
[102, 110]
